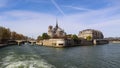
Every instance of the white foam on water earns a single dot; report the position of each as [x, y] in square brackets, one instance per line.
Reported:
[29, 64]
[33, 61]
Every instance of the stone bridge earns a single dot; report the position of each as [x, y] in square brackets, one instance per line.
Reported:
[19, 42]
[114, 41]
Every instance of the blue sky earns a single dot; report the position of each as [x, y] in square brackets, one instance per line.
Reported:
[32, 17]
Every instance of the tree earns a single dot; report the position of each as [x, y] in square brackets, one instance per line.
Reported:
[74, 37]
[45, 36]
[69, 36]
[4, 34]
[39, 38]
[89, 38]
[13, 35]
[1, 34]
[16, 36]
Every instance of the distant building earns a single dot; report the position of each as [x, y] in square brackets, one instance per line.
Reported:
[60, 39]
[56, 32]
[94, 34]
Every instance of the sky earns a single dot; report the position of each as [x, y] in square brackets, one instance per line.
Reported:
[32, 17]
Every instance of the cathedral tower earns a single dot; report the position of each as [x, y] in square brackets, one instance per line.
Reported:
[56, 23]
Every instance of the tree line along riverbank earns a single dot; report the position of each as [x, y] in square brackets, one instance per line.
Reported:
[8, 37]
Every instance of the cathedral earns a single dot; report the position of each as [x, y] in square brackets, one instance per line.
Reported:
[56, 32]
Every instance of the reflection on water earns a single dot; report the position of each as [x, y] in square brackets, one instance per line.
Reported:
[27, 56]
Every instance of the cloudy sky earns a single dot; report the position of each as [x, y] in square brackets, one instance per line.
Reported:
[32, 17]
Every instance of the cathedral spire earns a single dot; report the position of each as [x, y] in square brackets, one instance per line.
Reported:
[56, 23]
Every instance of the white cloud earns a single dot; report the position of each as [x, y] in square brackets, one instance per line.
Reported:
[103, 19]
[77, 8]
[26, 22]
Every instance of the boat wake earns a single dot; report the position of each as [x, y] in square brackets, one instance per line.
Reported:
[24, 61]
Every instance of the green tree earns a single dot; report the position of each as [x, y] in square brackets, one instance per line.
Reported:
[69, 36]
[89, 38]
[39, 38]
[74, 37]
[45, 36]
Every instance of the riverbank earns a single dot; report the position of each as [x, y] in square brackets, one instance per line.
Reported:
[61, 43]
[7, 44]
[3, 45]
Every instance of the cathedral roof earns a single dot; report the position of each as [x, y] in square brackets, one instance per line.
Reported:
[59, 29]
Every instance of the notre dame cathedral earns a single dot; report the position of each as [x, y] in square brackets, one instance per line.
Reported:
[56, 32]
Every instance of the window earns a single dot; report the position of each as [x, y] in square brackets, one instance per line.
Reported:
[60, 44]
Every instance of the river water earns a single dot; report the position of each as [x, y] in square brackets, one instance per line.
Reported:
[28, 56]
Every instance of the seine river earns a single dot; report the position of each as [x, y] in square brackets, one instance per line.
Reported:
[28, 56]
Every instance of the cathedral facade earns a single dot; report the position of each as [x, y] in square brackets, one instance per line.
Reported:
[56, 32]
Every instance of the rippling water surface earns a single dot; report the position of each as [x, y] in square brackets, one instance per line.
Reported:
[27, 56]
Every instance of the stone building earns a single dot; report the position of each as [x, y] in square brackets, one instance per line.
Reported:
[57, 42]
[94, 34]
[56, 32]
